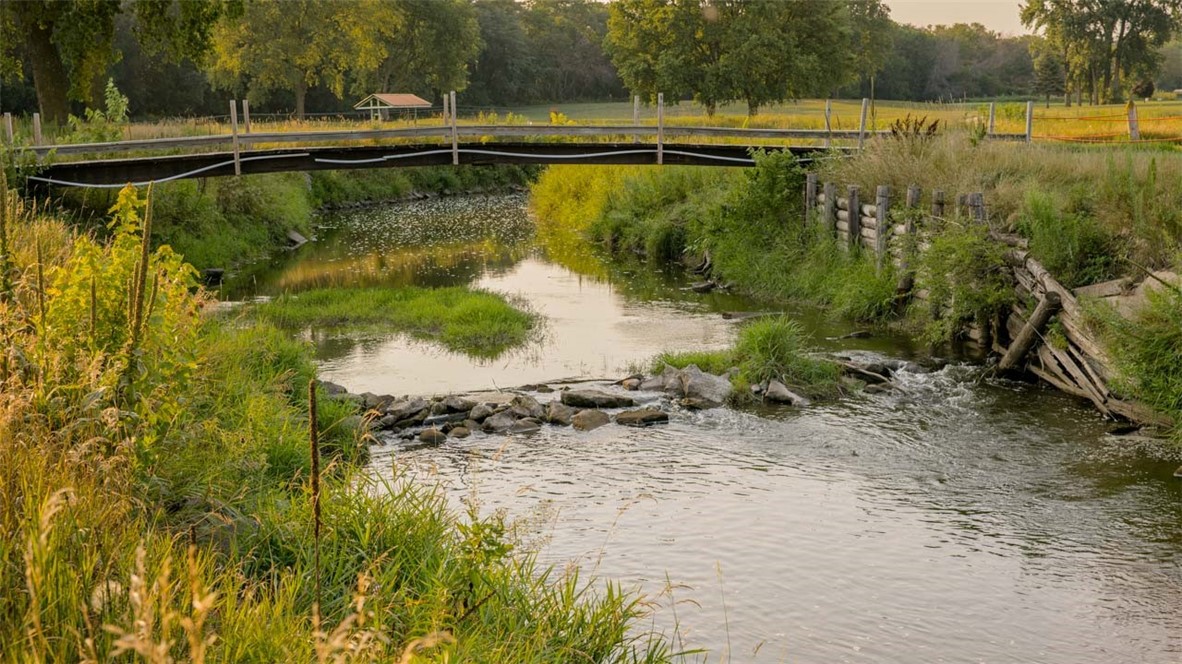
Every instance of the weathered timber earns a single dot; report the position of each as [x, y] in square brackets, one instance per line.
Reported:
[1048, 307]
[938, 203]
[829, 209]
[882, 209]
[852, 197]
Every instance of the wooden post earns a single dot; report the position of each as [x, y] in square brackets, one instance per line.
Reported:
[234, 133]
[829, 213]
[913, 195]
[855, 216]
[1029, 121]
[246, 114]
[862, 123]
[882, 202]
[977, 207]
[810, 195]
[455, 138]
[992, 116]
[660, 128]
[36, 129]
[962, 205]
[828, 123]
[1049, 305]
[1134, 127]
[8, 128]
[636, 116]
[938, 203]
[906, 276]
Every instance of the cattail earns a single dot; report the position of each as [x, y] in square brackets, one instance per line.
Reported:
[313, 437]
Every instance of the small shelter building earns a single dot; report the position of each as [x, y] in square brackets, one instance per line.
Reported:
[381, 104]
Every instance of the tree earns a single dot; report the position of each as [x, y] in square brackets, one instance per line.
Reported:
[758, 51]
[69, 45]
[1048, 75]
[414, 61]
[296, 44]
[870, 39]
[503, 70]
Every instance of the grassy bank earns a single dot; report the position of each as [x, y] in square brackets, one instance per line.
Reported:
[155, 495]
[474, 322]
[218, 222]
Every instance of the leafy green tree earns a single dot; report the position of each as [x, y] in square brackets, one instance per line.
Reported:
[1048, 75]
[427, 48]
[870, 40]
[296, 44]
[503, 70]
[69, 45]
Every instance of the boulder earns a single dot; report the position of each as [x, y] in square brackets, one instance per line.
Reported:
[525, 426]
[631, 384]
[777, 392]
[878, 388]
[480, 412]
[697, 403]
[642, 417]
[524, 405]
[559, 413]
[697, 384]
[455, 404]
[436, 420]
[460, 432]
[432, 436]
[589, 398]
[500, 422]
[438, 408]
[412, 409]
[586, 420]
[470, 425]
[332, 389]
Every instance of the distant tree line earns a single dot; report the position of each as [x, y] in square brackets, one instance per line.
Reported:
[186, 57]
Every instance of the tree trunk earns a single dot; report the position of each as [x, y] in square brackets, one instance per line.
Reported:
[301, 92]
[49, 74]
[711, 107]
[752, 108]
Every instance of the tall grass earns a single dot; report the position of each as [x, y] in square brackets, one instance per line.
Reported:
[463, 320]
[176, 524]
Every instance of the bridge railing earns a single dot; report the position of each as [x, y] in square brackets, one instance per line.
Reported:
[444, 132]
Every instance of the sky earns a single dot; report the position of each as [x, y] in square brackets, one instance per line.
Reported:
[997, 15]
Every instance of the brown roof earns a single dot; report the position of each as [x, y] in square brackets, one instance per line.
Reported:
[396, 100]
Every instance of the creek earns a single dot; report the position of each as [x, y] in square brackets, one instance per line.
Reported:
[959, 519]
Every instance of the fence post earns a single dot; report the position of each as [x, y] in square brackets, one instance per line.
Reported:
[977, 206]
[36, 129]
[854, 212]
[455, 140]
[913, 195]
[938, 203]
[660, 128]
[1134, 127]
[882, 203]
[810, 194]
[992, 116]
[8, 128]
[246, 114]
[828, 124]
[829, 214]
[1029, 121]
[234, 133]
[862, 123]
[635, 116]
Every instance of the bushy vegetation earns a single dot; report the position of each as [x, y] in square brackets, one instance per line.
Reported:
[1073, 246]
[966, 277]
[748, 222]
[155, 500]
[774, 348]
[463, 320]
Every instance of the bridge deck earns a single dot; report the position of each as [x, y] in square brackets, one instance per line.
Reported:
[117, 172]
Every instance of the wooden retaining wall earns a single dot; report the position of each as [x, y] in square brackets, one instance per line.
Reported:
[1074, 362]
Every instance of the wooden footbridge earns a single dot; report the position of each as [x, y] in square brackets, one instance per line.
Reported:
[244, 152]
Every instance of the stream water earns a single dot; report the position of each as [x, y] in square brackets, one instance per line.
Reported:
[960, 519]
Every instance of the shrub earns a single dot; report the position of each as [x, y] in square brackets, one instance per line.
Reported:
[1074, 247]
[966, 278]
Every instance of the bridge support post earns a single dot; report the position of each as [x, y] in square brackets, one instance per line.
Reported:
[8, 128]
[660, 128]
[455, 142]
[636, 118]
[882, 202]
[862, 123]
[446, 121]
[246, 114]
[828, 123]
[810, 195]
[36, 129]
[854, 212]
[829, 208]
[234, 133]
[1029, 122]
